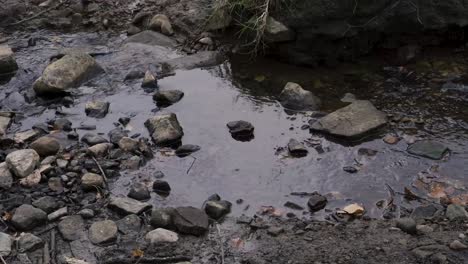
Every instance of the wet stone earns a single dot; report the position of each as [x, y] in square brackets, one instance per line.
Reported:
[428, 149]
[348, 98]
[164, 129]
[191, 220]
[241, 130]
[162, 24]
[186, 150]
[100, 150]
[198, 60]
[116, 134]
[27, 217]
[46, 146]
[6, 178]
[91, 181]
[162, 217]
[425, 211]
[86, 213]
[139, 191]
[457, 245]
[161, 187]
[55, 184]
[317, 202]
[103, 232]
[350, 169]
[57, 214]
[128, 206]
[22, 162]
[407, 225]
[456, 212]
[295, 97]
[149, 81]
[133, 75]
[6, 243]
[354, 120]
[62, 124]
[68, 72]
[217, 209]
[93, 139]
[71, 227]
[47, 203]
[8, 64]
[124, 120]
[293, 206]
[297, 149]
[29, 242]
[129, 224]
[161, 235]
[391, 139]
[167, 98]
[128, 144]
[149, 37]
[276, 31]
[97, 109]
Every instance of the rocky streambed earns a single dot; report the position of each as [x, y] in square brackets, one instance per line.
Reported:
[138, 149]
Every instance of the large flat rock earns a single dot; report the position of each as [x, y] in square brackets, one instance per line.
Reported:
[352, 121]
[126, 206]
[68, 72]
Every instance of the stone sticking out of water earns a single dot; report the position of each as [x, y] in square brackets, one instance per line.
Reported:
[167, 98]
[186, 150]
[297, 149]
[149, 81]
[164, 129]
[276, 31]
[317, 202]
[68, 72]
[191, 220]
[97, 109]
[217, 209]
[352, 121]
[126, 206]
[201, 59]
[162, 24]
[295, 97]
[8, 64]
[241, 130]
[428, 149]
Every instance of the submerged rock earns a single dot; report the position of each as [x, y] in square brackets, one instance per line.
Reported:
[428, 149]
[8, 64]
[164, 129]
[217, 209]
[22, 162]
[161, 235]
[128, 206]
[68, 72]
[199, 60]
[185, 150]
[352, 121]
[191, 220]
[152, 38]
[27, 217]
[297, 149]
[241, 130]
[317, 202]
[97, 109]
[295, 97]
[139, 191]
[103, 232]
[276, 31]
[46, 146]
[161, 23]
[167, 98]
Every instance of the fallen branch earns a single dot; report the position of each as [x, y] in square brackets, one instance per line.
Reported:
[3, 261]
[38, 14]
[100, 168]
[191, 165]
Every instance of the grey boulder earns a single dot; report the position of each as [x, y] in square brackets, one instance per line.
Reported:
[46, 146]
[103, 232]
[164, 129]
[295, 97]
[27, 217]
[126, 206]
[68, 72]
[297, 149]
[22, 162]
[167, 98]
[97, 109]
[352, 121]
[191, 220]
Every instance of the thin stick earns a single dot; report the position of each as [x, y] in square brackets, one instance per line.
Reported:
[221, 243]
[3, 261]
[191, 165]
[100, 168]
[38, 14]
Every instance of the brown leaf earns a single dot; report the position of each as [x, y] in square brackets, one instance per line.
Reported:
[354, 209]
[138, 253]
[7, 216]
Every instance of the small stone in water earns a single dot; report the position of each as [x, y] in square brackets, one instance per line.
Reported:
[391, 139]
[161, 187]
[350, 169]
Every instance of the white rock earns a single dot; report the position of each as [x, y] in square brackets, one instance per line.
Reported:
[22, 162]
[161, 235]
